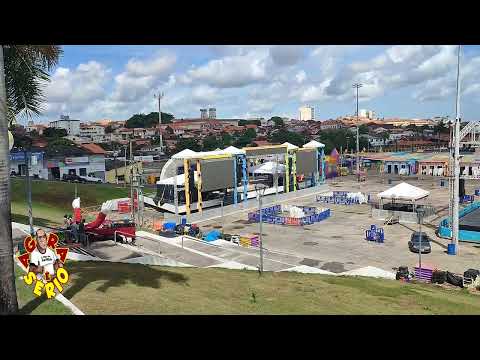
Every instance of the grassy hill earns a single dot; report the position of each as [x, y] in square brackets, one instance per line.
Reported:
[117, 288]
[53, 199]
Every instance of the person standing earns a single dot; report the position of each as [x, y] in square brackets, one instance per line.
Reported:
[74, 228]
[81, 231]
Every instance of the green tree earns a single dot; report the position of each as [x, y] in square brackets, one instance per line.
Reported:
[363, 129]
[278, 121]
[54, 133]
[191, 144]
[211, 143]
[283, 135]
[24, 70]
[147, 121]
[249, 122]
[226, 139]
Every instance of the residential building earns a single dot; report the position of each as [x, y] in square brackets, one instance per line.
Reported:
[78, 139]
[212, 113]
[307, 113]
[35, 127]
[91, 130]
[70, 125]
[331, 125]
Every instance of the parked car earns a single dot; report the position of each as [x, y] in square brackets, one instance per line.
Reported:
[92, 179]
[73, 178]
[414, 243]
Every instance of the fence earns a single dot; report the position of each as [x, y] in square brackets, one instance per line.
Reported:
[271, 215]
[339, 198]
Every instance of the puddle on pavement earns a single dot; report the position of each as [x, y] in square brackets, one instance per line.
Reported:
[309, 262]
[310, 243]
[336, 267]
[238, 227]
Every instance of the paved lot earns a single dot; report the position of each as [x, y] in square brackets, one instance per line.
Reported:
[337, 244]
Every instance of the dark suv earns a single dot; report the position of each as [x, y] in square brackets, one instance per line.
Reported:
[414, 243]
[73, 178]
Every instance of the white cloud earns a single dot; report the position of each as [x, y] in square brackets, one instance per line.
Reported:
[70, 90]
[232, 71]
[301, 76]
[140, 77]
[204, 95]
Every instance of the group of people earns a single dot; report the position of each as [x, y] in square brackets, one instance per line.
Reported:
[75, 229]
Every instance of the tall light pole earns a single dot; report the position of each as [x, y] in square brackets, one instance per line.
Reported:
[421, 213]
[260, 190]
[456, 165]
[160, 96]
[357, 86]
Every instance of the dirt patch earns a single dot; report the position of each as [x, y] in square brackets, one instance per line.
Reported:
[310, 243]
[238, 227]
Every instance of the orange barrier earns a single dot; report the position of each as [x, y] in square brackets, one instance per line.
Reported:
[157, 225]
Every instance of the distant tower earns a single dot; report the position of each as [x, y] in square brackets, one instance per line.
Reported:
[212, 113]
[203, 114]
[307, 113]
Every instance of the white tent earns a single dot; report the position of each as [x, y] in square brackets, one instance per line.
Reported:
[270, 167]
[184, 154]
[233, 150]
[313, 144]
[180, 180]
[404, 191]
[290, 146]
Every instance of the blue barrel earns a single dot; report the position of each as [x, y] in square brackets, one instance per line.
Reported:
[451, 249]
[184, 221]
[169, 226]
[442, 183]
[477, 192]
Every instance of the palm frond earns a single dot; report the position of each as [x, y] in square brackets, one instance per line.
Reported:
[26, 74]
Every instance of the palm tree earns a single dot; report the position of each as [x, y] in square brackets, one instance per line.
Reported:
[23, 73]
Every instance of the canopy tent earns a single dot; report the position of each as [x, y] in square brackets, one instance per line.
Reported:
[180, 180]
[270, 167]
[290, 146]
[184, 154]
[404, 191]
[313, 144]
[233, 150]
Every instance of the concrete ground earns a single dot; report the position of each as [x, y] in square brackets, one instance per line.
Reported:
[337, 244]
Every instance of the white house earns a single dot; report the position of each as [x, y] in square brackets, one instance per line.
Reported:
[70, 125]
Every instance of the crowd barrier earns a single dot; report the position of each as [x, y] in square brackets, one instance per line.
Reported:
[271, 215]
[375, 234]
[339, 198]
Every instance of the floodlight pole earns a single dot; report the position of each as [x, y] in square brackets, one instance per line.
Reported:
[456, 166]
[160, 96]
[260, 228]
[357, 86]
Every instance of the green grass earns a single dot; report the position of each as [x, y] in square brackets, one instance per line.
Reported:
[28, 303]
[51, 200]
[116, 288]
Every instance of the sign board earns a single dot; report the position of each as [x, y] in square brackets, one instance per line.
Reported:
[20, 156]
[76, 160]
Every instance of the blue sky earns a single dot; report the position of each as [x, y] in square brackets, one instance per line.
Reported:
[115, 82]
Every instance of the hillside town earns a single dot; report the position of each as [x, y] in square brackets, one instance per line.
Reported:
[97, 148]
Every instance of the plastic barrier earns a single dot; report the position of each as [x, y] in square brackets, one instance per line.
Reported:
[270, 216]
[375, 234]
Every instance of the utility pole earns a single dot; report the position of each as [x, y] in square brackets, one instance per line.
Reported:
[160, 96]
[456, 180]
[125, 168]
[131, 183]
[357, 86]
[115, 163]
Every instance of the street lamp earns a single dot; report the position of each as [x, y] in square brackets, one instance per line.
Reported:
[421, 214]
[357, 86]
[222, 196]
[260, 188]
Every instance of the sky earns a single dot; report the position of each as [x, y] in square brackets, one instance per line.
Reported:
[246, 81]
